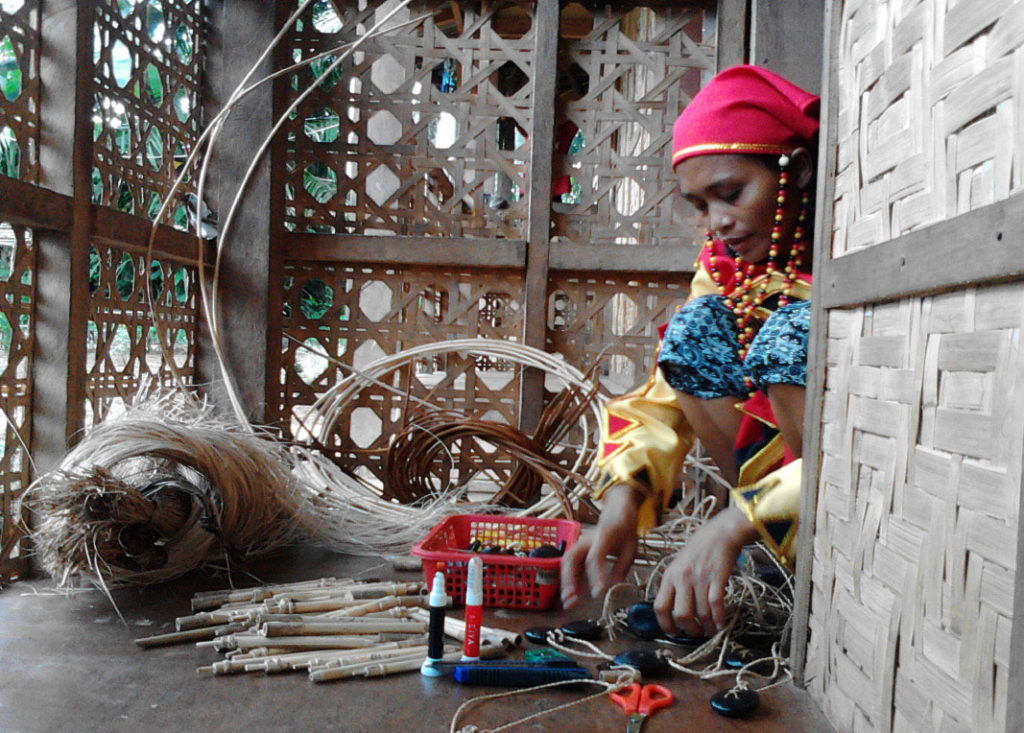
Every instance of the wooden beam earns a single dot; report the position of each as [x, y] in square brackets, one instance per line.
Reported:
[623, 258]
[816, 357]
[983, 245]
[784, 40]
[733, 29]
[29, 205]
[427, 251]
[131, 232]
[542, 138]
[239, 31]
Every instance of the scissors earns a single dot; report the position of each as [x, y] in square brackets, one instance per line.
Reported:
[638, 701]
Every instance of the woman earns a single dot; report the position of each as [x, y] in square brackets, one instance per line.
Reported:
[732, 363]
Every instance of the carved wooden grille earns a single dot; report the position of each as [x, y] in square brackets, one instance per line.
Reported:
[17, 336]
[639, 68]
[355, 315]
[611, 317]
[412, 134]
[146, 113]
[123, 346]
[19, 89]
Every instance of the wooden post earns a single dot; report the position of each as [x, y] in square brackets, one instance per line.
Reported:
[782, 38]
[819, 337]
[733, 17]
[239, 31]
[62, 271]
[542, 138]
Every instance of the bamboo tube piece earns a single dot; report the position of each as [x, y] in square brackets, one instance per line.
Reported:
[393, 666]
[238, 663]
[179, 637]
[245, 641]
[208, 600]
[297, 628]
[272, 665]
[456, 628]
[381, 604]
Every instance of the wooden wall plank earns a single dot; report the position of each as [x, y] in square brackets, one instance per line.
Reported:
[239, 31]
[817, 351]
[62, 290]
[542, 137]
[403, 250]
[984, 244]
[733, 18]
[783, 39]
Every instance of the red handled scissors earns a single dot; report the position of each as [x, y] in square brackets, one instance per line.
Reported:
[639, 701]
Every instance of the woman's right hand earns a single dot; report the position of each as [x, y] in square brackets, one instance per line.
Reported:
[586, 564]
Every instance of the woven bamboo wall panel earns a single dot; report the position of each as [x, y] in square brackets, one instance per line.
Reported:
[146, 116]
[418, 132]
[19, 90]
[631, 75]
[17, 337]
[337, 318]
[915, 547]
[928, 122]
[612, 318]
[123, 347]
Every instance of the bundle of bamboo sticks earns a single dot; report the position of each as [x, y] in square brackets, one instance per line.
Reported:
[333, 628]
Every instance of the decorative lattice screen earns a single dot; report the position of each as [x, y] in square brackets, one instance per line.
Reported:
[146, 114]
[124, 348]
[19, 158]
[425, 132]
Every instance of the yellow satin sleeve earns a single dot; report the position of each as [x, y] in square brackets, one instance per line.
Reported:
[644, 441]
[772, 504]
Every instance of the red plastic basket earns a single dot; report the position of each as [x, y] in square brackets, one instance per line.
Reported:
[509, 581]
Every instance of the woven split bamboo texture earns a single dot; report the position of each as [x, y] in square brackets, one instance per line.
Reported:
[928, 121]
[915, 548]
[426, 131]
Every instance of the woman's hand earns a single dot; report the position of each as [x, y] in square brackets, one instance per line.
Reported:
[586, 563]
[692, 593]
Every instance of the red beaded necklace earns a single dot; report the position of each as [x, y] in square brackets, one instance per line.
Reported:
[749, 299]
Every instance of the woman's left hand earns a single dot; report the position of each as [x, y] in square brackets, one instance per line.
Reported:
[692, 592]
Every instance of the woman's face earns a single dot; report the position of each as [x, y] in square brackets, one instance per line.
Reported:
[736, 196]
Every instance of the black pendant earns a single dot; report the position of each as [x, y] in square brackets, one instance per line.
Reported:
[587, 630]
[545, 551]
[735, 703]
[737, 656]
[641, 621]
[537, 634]
[649, 662]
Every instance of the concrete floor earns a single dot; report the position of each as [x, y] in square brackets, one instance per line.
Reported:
[68, 665]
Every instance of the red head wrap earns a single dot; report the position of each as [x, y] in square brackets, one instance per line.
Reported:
[746, 109]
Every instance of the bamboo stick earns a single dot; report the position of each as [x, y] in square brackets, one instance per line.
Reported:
[381, 604]
[328, 627]
[178, 637]
[238, 663]
[245, 641]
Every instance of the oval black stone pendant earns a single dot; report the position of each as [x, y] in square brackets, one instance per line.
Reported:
[587, 630]
[641, 621]
[735, 703]
[647, 661]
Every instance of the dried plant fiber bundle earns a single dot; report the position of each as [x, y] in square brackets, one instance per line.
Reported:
[161, 490]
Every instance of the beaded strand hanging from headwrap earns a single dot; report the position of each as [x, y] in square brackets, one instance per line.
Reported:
[745, 303]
